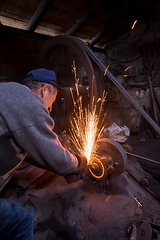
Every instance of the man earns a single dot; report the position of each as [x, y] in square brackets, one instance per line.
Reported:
[26, 128]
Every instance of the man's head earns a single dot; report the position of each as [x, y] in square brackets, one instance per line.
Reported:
[43, 83]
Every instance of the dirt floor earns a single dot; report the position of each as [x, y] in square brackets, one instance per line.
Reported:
[92, 210]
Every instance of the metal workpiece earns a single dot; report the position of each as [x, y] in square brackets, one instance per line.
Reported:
[110, 159]
[144, 230]
[115, 151]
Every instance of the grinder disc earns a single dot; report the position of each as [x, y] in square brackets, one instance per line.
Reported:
[116, 151]
[144, 231]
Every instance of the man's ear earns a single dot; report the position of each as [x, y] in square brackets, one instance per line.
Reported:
[43, 90]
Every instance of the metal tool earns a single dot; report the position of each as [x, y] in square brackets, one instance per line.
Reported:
[144, 158]
[144, 230]
[110, 158]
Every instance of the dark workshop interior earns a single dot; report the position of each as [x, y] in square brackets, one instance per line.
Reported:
[111, 51]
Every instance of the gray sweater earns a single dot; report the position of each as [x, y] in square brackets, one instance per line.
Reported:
[26, 127]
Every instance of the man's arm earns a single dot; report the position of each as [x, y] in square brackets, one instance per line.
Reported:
[44, 147]
[29, 122]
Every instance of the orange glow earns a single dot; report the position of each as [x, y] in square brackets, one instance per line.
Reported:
[85, 126]
[106, 69]
[94, 160]
[127, 68]
[134, 24]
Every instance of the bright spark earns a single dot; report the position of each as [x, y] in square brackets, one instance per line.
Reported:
[86, 127]
[127, 68]
[134, 24]
[138, 202]
[106, 70]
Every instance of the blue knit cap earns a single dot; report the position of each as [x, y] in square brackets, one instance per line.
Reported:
[48, 76]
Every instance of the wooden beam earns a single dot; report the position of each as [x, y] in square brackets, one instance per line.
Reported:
[39, 14]
[75, 26]
[93, 6]
[99, 35]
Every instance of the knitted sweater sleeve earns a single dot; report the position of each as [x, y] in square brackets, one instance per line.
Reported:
[31, 126]
[44, 147]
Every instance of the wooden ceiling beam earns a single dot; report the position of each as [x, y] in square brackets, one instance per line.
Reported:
[39, 14]
[93, 6]
[99, 35]
[75, 26]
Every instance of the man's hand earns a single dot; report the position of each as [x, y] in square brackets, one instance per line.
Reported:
[78, 174]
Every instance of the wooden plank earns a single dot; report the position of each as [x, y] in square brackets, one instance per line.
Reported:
[14, 10]
[49, 30]
[69, 8]
[30, 4]
[12, 18]
[39, 14]
[59, 18]
[79, 4]
[96, 22]
[89, 28]
[79, 22]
